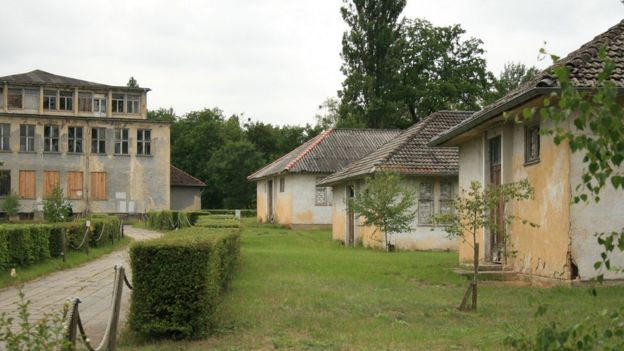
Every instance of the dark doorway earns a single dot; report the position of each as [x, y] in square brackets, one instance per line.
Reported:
[497, 235]
[350, 217]
[270, 201]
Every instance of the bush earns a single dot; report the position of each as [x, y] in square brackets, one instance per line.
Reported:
[168, 220]
[217, 221]
[26, 244]
[177, 281]
[57, 208]
[11, 205]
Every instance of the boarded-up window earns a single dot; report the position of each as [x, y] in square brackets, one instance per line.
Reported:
[322, 195]
[98, 186]
[446, 198]
[27, 188]
[51, 179]
[85, 101]
[425, 203]
[74, 185]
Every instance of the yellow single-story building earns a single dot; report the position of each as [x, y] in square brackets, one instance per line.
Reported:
[494, 149]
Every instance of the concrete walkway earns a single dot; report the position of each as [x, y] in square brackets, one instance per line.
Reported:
[91, 282]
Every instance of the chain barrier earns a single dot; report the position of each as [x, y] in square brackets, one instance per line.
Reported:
[101, 233]
[84, 239]
[73, 323]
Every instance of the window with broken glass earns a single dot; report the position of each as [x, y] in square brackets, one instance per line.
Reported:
[144, 142]
[322, 197]
[425, 203]
[74, 140]
[27, 137]
[51, 138]
[99, 105]
[5, 136]
[121, 141]
[98, 140]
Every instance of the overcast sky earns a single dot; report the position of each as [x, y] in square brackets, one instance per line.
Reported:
[271, 60]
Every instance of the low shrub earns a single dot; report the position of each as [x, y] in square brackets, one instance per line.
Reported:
[217, 221]
[168, 220]
[177, 281]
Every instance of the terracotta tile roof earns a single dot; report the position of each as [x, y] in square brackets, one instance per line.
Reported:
[408, 153]
[583, 65]
[328, 152]
[181, 178]
[42, 78]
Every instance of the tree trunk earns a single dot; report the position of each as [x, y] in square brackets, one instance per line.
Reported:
[475, 276]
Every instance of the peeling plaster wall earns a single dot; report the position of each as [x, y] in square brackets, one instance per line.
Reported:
[421, 237]
[471, 168]
[134, 183]
[304, 208]
[589, 218]
[261, 201]
[542, 251]
[339, 213]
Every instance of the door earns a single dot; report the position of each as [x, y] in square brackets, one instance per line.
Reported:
[350, 217]
[270, 201]
[497, 235]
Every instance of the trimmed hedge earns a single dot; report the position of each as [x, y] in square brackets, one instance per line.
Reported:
[217, 221]
[168, 220]
[26, 244]
[177, 281]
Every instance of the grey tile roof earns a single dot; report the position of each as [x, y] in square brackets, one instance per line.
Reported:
[180, 178]
[42, 78]
[408, 153]
[583, 65]
[328, 152]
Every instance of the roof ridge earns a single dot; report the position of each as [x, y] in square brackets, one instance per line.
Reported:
[321, 137]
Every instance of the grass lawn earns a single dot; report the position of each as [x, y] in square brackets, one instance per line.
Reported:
[300, 290]
[74, 258]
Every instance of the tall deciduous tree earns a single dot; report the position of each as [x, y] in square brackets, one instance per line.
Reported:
[512, 76]
[371, 59]
[440, 70]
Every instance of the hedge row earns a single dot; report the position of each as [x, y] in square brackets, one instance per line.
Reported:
[217, 221]
[244, 213]
[177, 281]
[169, 220]
[25, 244]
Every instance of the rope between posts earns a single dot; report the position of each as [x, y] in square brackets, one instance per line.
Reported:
[101, 232]
[84, 239]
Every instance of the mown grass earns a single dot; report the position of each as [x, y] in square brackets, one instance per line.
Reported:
[300, 290]
[73, 259]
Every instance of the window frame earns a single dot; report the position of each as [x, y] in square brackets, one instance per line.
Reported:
[142, 142]
[29, 140]
[429, 199]
[66, 100]
[133, 103]
[21, 98]
[121, 141]
[5, 182]
[86, 98]
[116, 100]
[48, 140]
[99, 141]
[282, 184]
[5, 137]
[73, 141]
[529, 132]
[48, 98]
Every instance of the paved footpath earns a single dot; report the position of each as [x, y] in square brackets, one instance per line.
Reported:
[91, 282]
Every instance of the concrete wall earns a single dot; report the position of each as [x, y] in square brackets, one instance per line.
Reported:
[135, 183]
[187, 198]
[540, 251]
[605, 216]
[296, 205]
[421, 237]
